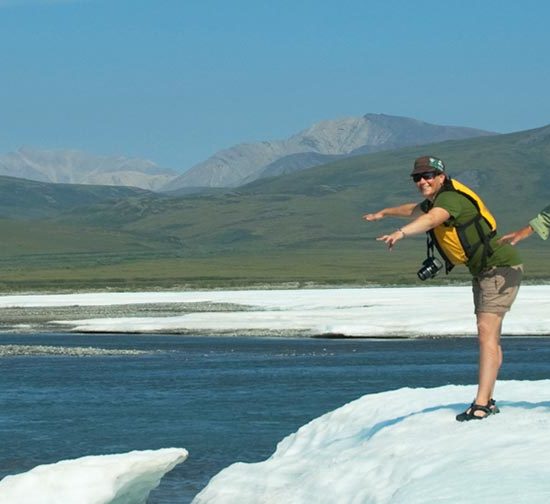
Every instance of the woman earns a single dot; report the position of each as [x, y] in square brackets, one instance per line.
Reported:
[464, 232]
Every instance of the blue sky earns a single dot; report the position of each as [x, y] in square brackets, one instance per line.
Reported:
[174, 81]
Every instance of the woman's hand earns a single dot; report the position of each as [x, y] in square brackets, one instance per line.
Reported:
[374, 216]
[391, 239]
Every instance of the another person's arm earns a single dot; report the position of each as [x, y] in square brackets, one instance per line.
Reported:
[516, 236]
[540, 224]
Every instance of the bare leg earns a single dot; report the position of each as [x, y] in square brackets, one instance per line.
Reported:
[489, 326]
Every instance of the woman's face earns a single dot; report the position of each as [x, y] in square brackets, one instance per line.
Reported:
[429, 183]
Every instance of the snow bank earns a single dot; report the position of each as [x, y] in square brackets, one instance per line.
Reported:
[405, 446]
[125, 478]
[373, 312]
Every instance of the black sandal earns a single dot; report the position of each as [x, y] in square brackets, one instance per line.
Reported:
[469, 414]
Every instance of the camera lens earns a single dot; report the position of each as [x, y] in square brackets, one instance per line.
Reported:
[429, 268]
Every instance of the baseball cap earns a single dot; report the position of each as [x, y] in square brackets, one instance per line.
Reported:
[427, 164]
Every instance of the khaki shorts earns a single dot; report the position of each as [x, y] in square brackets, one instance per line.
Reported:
[496, 288]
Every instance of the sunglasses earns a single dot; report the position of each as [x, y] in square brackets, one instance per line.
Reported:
[417, 177]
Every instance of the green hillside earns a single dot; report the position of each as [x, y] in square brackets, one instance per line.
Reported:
[21, 198]
[302, 227]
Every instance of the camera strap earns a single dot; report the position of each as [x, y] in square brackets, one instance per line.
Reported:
[430, 252]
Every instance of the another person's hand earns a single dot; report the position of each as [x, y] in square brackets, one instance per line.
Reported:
[517, 236]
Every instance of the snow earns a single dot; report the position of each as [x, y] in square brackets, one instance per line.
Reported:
[126, 478]
[370, 312]
[405, 447]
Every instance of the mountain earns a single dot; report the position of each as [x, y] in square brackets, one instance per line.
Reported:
[75, 167]
[319, 144]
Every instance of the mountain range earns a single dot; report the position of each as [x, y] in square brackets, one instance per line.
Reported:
[76, 167]
[323, 142]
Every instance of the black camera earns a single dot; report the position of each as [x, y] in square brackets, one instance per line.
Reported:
[430, 268]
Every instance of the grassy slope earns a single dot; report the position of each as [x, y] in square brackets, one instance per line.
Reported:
[20, 198]
[303, 227]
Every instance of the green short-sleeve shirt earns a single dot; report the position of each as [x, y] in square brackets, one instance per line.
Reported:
[462, 210]
[541, 223]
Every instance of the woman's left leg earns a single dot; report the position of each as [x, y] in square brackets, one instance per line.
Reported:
[489, 326]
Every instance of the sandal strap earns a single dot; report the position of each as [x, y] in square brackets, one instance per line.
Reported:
[480, 407]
